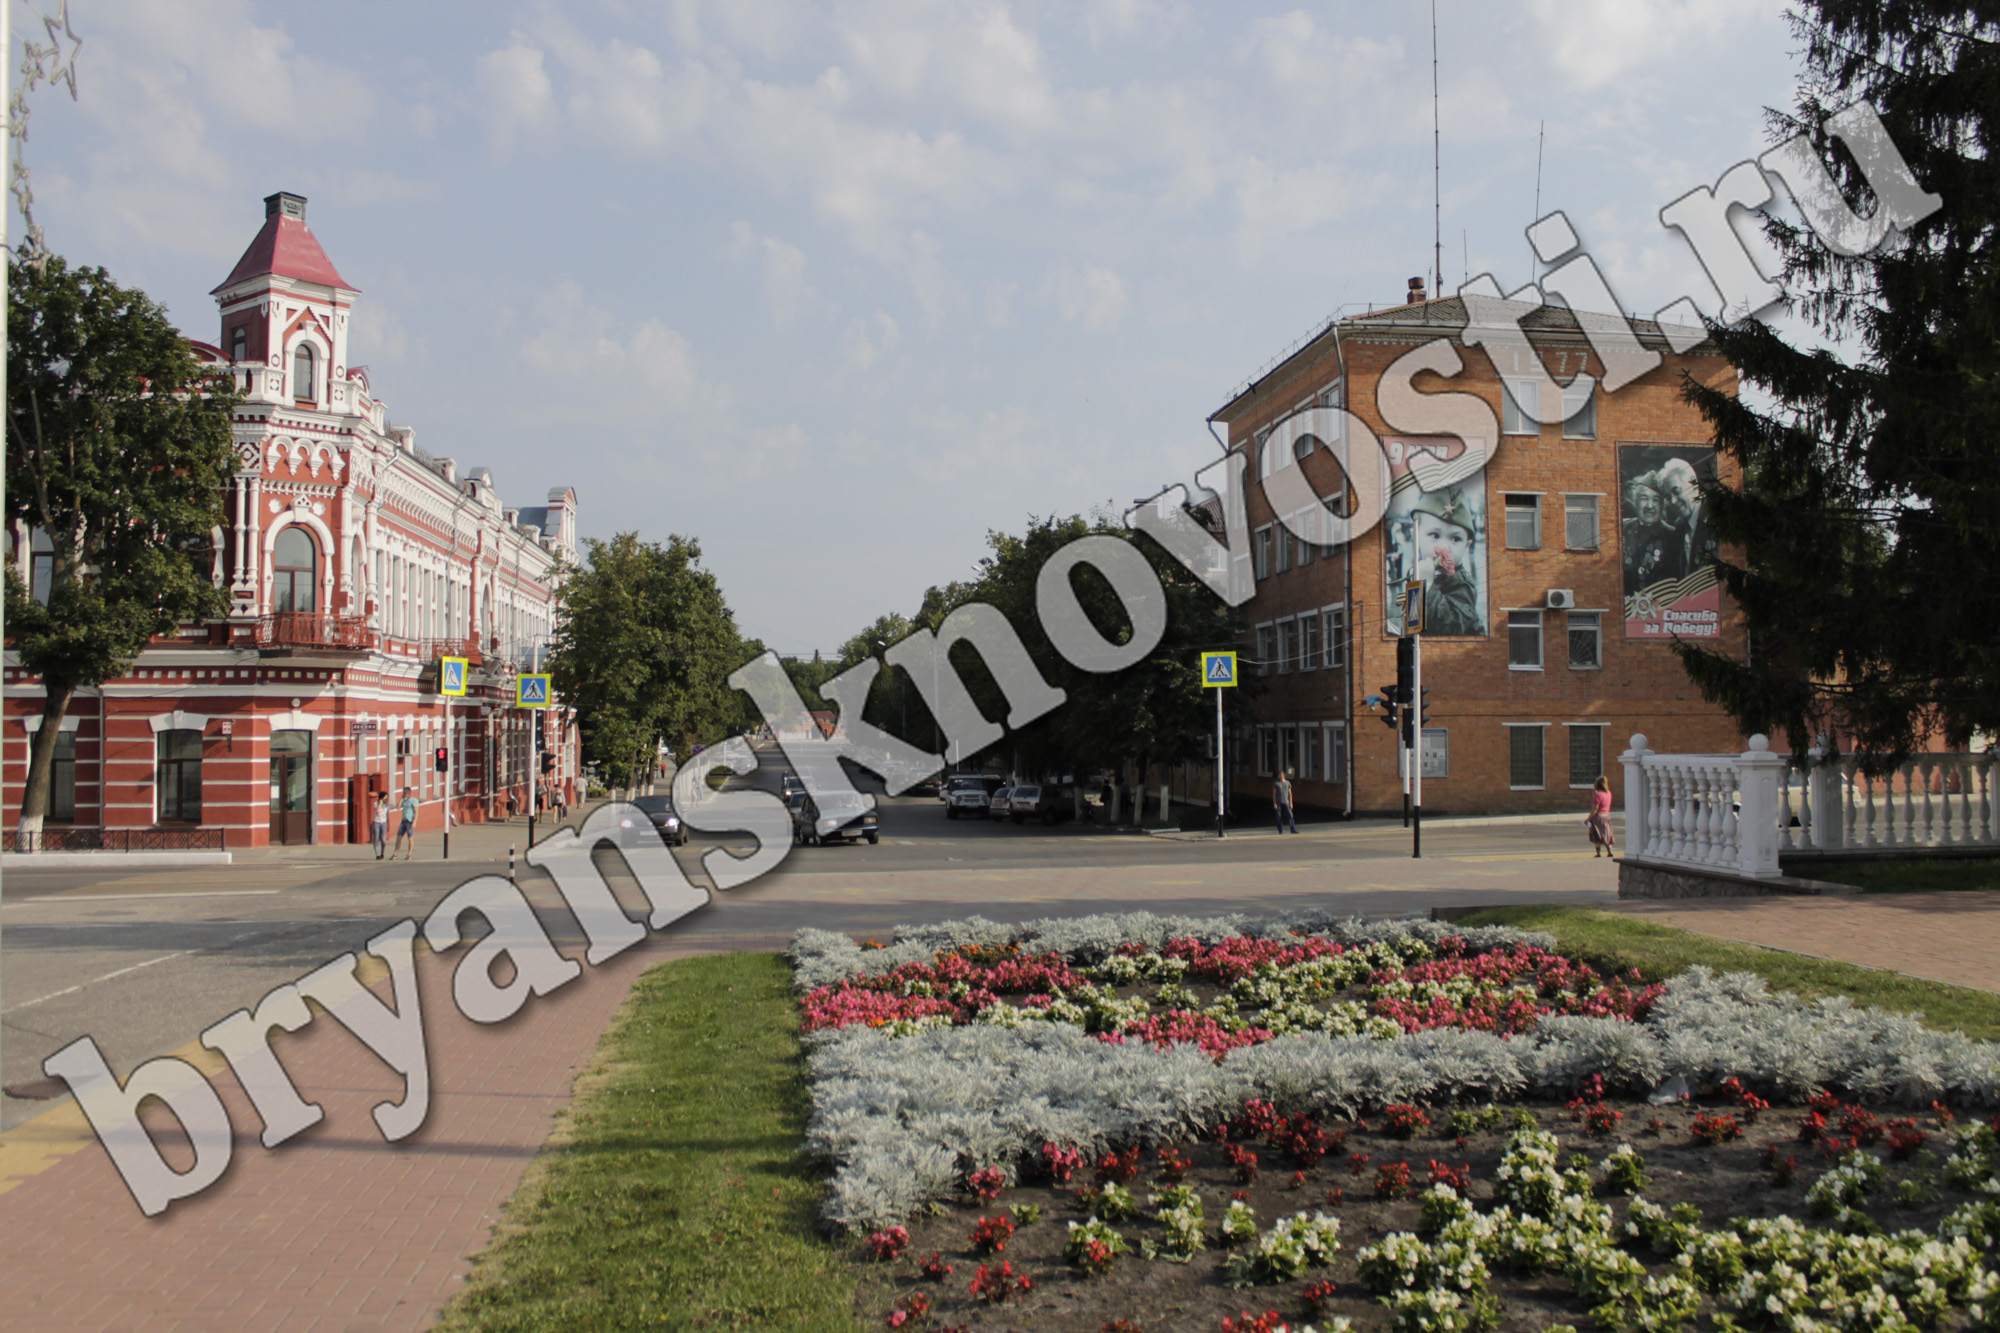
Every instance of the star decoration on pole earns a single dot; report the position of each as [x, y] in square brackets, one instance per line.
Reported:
[49, 62]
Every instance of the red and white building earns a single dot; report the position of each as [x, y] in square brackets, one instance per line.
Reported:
[353, 561]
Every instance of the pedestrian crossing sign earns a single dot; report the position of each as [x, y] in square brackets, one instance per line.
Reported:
[1218, 669]
[531, 690]
[451, 675]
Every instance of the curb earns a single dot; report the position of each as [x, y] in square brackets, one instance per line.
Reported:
[72, 860]
[1366, 825]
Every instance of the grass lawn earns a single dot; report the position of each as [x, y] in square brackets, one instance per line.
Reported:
[673, 1195]
[1915, 875]
[1607, 939]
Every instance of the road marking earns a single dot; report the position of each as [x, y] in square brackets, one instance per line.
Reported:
[80, 896]
[1542, 856]
[68, 990]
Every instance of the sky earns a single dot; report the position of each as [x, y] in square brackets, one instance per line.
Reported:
[838, 288]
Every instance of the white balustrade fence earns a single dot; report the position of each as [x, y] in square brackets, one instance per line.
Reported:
[1737, 812]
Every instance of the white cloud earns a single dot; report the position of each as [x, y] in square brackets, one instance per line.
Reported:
[1093, 297]
[787, 293]
[643, 361]
[865, 341]
[518, 94]
[1599, 42]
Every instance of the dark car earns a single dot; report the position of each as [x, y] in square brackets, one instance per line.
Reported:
[660, 809]
[851, 817]
[1049, 803]
[789, 785]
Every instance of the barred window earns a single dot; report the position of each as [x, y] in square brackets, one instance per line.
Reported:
[1586, 640]
[1586, 755]
[1524, 757]
[1580, 522]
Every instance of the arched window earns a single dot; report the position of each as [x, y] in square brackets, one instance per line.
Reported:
[295, 571]
[238, 344]
[305, 385]
[41, 565]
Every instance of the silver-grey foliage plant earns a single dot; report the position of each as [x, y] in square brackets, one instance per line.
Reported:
[903, 1118]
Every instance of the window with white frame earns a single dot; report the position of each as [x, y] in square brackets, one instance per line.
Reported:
[1281, 538]
[1524, 640]
[1333, 623]
[1524, 522]
[1580, 412]
[1580, 522]
[1515, 391]
[1334, 735]
[1308, 642]
[1263, 553]
[1266, 656]
[1285, 650]
[1267, 743]
[1310, 756]
[1524, 756]
[1290, 735]
[1586, 753]
[1586, 640]
[1303, 551]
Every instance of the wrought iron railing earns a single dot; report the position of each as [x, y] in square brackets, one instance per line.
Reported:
[163, 839]
[311, 629]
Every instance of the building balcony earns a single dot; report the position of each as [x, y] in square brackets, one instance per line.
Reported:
[298, 633]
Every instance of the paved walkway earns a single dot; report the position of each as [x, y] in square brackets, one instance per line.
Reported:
[339, 1231]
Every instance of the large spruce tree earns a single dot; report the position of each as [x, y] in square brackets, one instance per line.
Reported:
[1869, 522]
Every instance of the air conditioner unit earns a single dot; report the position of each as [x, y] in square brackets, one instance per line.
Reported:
[1561, 599]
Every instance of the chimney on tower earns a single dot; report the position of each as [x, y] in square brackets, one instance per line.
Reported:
[289, 204]
[1415, 296]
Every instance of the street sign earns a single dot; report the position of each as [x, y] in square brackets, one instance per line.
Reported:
[451, 675]
[360, 726]
[1413, 607]
[531, 690]
[1218, 669]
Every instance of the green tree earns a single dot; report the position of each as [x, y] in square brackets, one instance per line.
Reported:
[118, 449]
[1869, 519]
[644, 644]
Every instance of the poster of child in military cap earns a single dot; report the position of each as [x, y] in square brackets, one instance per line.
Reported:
[1671, 588]
[1438, 536]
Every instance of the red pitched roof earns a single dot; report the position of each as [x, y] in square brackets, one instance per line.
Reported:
[285, 247]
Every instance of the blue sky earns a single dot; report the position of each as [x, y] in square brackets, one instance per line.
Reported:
[839, 287]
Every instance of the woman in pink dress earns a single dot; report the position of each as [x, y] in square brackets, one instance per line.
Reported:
[1599, 822]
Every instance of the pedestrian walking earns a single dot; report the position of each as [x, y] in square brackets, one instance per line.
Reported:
[1599, 822]
[378, 824]
[408, 828]
[1281, 800]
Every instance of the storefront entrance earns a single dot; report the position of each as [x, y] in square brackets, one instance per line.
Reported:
[291, 787]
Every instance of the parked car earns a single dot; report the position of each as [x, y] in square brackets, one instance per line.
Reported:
[1050, 803]
[970, 794]
[855, 814]
[789, 785]
[660, 809]
[1000, 805]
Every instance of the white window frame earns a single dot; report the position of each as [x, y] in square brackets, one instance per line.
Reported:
[1541, 731]
[1265, 736]
[1282, 634]
[1265, 655]
[1579, 408]
[1311, 755]
[1333, 735]
[1262, 544]
[1514, 420]
[1594, 621]
[1541, 647]
[1281, 539]
[1569, 755]
[1507, 511]
[1571, 511]
[1308, 635]
[1333, 636]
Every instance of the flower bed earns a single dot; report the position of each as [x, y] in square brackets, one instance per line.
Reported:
[1298, 1122]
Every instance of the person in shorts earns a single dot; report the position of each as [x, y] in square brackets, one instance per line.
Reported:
[408, 828]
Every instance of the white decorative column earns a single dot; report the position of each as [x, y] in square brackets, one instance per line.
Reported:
[1636, 796]
[1757, 777]
[1823, 787]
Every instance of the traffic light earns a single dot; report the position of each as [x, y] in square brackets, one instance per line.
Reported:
[1424, 708]
[442, 758]
[1406, 667]
[1389, 697]
[548, 762]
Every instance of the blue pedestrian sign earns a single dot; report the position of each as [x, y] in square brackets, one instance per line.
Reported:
[451, 675]
[531, 690]
[1218, 669]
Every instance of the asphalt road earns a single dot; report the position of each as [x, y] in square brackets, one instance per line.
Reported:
[144, 960]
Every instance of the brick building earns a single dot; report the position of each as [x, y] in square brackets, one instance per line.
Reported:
[353, 561]
[1556, 576]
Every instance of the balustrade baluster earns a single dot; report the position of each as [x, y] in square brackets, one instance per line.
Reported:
[1909, 827]
[1785, 776]
[1983, 772]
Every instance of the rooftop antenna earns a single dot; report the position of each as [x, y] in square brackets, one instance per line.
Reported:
[1437, 180]
[1535, 264]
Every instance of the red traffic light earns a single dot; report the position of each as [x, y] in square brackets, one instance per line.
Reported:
[442, 758]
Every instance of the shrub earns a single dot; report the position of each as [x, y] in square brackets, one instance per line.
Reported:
[992, 1234]
[889, 1244]
[1060, 1162]
[910, 1309]
[1392, 1181]
[1625, 1170]
[996, 1285]
[1403, 1121]
[1713, 1128]
[987, 1183]
[935, 1268]
[1242, 1161]
[1292, 1247]
[1092, 1245]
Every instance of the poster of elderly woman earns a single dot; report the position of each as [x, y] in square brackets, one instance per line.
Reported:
[1671, 587]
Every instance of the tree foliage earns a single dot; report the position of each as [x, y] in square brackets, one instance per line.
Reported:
[644, 644]
[118, 448]
[1869, 521]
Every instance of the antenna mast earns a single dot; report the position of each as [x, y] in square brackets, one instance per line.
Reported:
[1535, 264]
[1437, 180]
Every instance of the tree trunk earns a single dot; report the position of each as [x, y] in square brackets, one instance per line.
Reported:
[42, 763]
